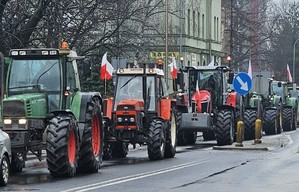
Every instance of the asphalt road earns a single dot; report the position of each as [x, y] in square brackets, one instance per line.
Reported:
[269, 166]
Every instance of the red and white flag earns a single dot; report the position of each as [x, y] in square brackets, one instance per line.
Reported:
[106, 68]
[249, 69]
[290, 79]
[196, 97]
[173, 68]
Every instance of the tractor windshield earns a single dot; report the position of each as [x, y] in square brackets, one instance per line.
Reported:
[210, 80]
[27, 75]
[277, 89]
[130, 87]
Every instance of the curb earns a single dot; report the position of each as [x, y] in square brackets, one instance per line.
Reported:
[268, 143]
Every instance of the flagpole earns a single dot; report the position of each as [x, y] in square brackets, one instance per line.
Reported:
[105, 82]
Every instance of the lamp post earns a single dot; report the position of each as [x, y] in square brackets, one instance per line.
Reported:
[294, 57]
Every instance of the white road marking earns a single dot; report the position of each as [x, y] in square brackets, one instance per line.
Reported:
[133, 177]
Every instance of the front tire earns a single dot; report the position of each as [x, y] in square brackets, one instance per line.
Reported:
[171, 137]
[156, 140]
[249, 124]
[271, 122]
[62, 146]
[224, 129]
[5, 171]
[120, 149]
[92, 143]
[17, 163]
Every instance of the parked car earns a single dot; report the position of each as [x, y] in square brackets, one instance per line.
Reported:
[5, 157]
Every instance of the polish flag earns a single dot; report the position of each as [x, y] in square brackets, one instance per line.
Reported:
[196, 97]
[106, 68]
[173, 68]
[290, 79]
[249, 69]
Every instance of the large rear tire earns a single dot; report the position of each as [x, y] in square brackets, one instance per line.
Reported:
[271, 122]
[171, 137]
[287, 119]
[224, 129]
[156, 140]
[91, 149]
[62, 146]
[249, 124]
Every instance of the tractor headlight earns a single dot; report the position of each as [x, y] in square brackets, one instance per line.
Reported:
[22, 121]
[119, 119]
[7, 121]
[132, 119]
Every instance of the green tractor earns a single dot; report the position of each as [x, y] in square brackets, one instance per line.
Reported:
[262, 104]
[273, 109]
[293, 89]
[289, 105]
[44, 109]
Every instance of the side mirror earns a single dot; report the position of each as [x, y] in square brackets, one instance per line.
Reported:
[86, 67]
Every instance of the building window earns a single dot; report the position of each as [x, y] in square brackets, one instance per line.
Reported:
[215, 28]
[188, 22]
[203, 26]
[194, 24]
[198, 23]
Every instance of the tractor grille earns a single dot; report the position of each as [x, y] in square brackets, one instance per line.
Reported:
[13, 109]
[125, 120]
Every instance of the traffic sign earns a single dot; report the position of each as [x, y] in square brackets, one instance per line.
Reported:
[242, 83]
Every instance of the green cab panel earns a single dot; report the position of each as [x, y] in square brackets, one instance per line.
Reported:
[75, 104]
[30, 105]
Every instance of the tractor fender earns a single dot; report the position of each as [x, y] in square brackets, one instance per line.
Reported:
[292, 102]
[276, 101]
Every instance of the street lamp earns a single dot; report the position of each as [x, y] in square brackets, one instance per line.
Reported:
[294, 57]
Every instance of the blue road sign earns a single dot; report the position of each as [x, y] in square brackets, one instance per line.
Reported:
[242, 83]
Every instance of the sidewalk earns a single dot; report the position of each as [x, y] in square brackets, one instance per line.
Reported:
[268, 142]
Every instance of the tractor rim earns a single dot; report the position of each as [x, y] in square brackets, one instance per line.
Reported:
[5, 171]
[72, 147]
[173, 130]
[96, 139]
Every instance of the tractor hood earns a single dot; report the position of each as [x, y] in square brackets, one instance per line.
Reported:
[133, 104]
[31, 105]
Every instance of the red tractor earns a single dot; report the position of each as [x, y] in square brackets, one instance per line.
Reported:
[141, 112]
[208, 105]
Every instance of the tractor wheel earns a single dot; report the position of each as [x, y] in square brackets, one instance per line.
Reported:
[224, 129]
[17, 163]
[4, 171]
[182, 140]
[271, 122]
[208, 135]
[191, 137]
[294, 124]
[249, 124]
[287, 119]
[171, 137]
[62, 146]
[120, 149]
[156, 140]
[107, 151]
[92, 142]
